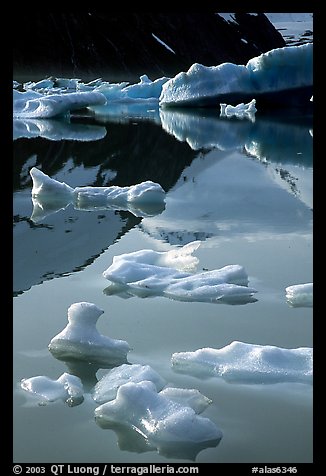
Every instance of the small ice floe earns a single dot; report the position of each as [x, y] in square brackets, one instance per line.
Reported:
[300, 295]
[143, 199]
[240, 362]
[15, 84]
[241, 110]
[106, 388]
[80, 340]
[67, 387]
[150, 273]
[173, 428]
[32, 104]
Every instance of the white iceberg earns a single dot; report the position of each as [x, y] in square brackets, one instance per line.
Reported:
[43, 84]
[281, 75]
[80, 340]
[173, 428]
[130, 267]
[150, 273]
[145, 198]
[240, 110]
[106, 388]
[31, 104]
[67, 387]
[240, 362]
[300, 295]
[144, 90]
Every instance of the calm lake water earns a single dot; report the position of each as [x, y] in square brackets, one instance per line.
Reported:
[245, 190]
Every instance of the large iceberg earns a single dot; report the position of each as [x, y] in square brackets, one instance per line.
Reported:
[67, 387]
[32, 104]
[173, 428]
[240, 362]
[146, 198]
[80, 340]
[280, 76]
[300, 295]
[149, 273]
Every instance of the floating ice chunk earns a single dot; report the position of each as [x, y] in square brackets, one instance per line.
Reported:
[67, 387]
[53, 105]
[241, 110]
[46, 187]
[144, 199]
[300, 295]
[190, 397]
[173, 428]
[247, 363]
[106, 388]
[80, 340]
[15, 84]
[138, 265]
[264, 77]
[56, 130]
[146, 272]
[144, 90]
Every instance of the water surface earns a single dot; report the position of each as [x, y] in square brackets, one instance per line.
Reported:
[245, 190]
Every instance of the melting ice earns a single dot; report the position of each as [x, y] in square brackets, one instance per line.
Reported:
[300, 295]
[80, 340]
[282, 69]
[240, 362]
[67, 387]
[171, 427]
[151, 273]
[49, 195]
[266, 77]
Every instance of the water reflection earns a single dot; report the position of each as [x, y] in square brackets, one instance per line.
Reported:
[201, 294]
[212, 190]
[56, 130]
[133, 441]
